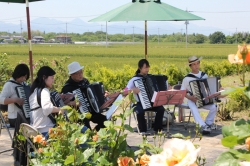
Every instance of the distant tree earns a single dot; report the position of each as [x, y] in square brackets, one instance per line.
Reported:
[199, 38]
[15, 41]
[230, 39]
[217, 37]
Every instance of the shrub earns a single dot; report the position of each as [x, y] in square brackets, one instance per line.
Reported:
[5, 69]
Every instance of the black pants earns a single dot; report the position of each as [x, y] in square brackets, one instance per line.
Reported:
[96, 118]
[140, 112]
[12, 122]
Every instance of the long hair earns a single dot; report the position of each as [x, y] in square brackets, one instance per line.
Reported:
[42, 74]
[140, 65]
[21, 70]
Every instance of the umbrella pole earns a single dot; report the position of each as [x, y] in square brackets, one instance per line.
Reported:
[146, 41]
[29, 40]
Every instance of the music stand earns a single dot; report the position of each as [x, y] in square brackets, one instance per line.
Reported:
[170, 97]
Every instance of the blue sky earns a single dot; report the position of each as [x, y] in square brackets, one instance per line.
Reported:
[224, 14]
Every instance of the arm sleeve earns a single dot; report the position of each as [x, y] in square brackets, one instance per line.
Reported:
[130, 85]
[184, 84]
[46, 104]
[6, 92]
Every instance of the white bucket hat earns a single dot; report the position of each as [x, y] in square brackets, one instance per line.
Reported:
[74, 67]
[193, 59]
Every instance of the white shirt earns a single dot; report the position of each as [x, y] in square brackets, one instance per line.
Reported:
[40, 119]
[131, 85]
[9, 91]
[185, 83]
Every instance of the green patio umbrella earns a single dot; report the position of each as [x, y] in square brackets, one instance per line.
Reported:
[146, 10]
[29, 30]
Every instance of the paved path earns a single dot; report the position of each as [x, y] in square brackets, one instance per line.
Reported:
[210, 145]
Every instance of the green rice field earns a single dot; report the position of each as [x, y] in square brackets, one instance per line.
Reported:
[116, 56]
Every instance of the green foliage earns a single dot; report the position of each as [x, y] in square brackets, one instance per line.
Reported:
[239, 99]
[5, 69]
[217, 38]
[234, 135]
[59, 67]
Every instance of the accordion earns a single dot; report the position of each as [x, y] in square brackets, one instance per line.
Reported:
[57, 101]
[91, 97]
[24, 93]
[203, 88]
[148, 85]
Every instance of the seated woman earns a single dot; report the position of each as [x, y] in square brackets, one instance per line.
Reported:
[40, 112]
[9, 95]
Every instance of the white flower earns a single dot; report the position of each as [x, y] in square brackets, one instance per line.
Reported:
[244, 163]
[176, 152]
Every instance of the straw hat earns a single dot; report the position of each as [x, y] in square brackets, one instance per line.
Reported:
[74, 67]
[193, 59]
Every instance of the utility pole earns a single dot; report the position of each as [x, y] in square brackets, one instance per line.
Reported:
[21, 27]
[66, 35]
[101, 32]
[236, 36]
[106, 34]
[133, 36]
[186, 22]
[158, 36]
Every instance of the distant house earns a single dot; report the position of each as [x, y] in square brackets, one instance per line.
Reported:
[52, 41]
[37, 39]
[63, 39]
[20, 38]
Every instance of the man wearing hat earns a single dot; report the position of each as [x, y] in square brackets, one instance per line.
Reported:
[75, 81]
[194, 64]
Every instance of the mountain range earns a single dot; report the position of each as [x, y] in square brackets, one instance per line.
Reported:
[77, 25]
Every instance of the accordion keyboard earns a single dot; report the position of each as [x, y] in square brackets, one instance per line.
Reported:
[23, 92]
[84, 104]
[196, 92]
[142, 94]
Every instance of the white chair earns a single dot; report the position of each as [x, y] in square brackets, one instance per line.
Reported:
[181, 112]
[29, 132]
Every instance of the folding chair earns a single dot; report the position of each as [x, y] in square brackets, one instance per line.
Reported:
[29, 132]
[181, 111]
[2, 123]
[150, 115]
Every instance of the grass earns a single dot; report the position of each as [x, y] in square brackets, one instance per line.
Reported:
[117, 55]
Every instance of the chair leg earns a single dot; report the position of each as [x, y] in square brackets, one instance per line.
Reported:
[149, 121]
[186, 125]
[7, 128]
[137, 125]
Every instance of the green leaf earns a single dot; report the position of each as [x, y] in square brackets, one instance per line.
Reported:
[108, 124]
[102, 132]
[127, 113]
[229, 141]
[83, 138]
[103, 160]
[226, 159]
[69, 160]
[88, 152]
[129, 128]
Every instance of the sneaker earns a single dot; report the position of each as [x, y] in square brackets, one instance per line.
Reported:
[212, 126]
[206, 129]
[145, 133]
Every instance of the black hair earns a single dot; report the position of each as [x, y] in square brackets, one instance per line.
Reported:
[140, 65]
[43, 73]
[20, 71]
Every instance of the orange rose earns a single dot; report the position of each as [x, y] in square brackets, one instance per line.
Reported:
[50, 131]
[40, 150]
[144, 160]
[95, 138]
[44, 143]
[37, 138]
[125, 161]
[248, 143]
